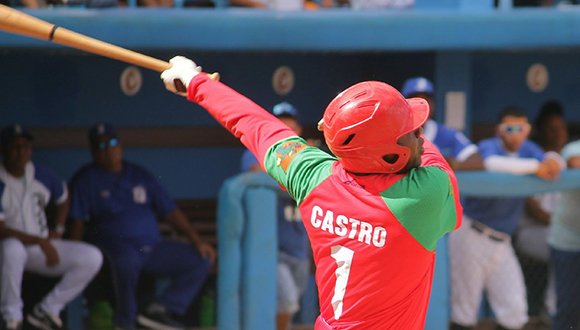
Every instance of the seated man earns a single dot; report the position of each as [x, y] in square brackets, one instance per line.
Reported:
[27, 243]
[119, 202]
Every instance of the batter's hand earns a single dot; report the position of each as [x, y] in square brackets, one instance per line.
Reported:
[178, 77]
[52, 258]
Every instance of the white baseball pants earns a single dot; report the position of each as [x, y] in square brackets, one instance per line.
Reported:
[479, 263]
[79, 263]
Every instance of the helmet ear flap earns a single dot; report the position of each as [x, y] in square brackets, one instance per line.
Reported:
[391, 158]
[398, 159]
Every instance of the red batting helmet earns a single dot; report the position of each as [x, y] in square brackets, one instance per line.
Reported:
[363, 123]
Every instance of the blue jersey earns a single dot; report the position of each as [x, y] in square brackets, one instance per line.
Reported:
[119, 205]
[501, 214]
[292, 237]
[449, 142]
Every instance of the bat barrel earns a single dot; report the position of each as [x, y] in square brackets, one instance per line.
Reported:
[72, 39]
[15, 21]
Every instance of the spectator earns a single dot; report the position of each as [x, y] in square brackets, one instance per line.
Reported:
[275, 4]
[529, 3]
[26, 189]
[459, 152]
[293, 255]
[69, 3]
[156, 3]
[119, 202]
[551, 128]
[373, 212]
[530, 239]
[480, 252]
[33, 4]
[564, 242]
[382, 4]
[565, 2]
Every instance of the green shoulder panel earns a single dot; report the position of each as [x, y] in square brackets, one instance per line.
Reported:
[297, 166]
[427, 210]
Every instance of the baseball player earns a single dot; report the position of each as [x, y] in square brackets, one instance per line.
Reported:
[454, 146]
[373, 213]
[480, 252]
[26, 242]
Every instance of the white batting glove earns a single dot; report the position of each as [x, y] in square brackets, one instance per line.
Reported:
[177, 78]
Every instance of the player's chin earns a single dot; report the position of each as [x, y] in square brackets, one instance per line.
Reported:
[413, 163]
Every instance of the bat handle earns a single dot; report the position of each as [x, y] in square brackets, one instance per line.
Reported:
[215, 76]
[179, 86]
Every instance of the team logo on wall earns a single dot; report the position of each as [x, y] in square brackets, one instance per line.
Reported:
[283, 80]
[537, 78]
[139, 195]
[131, 81]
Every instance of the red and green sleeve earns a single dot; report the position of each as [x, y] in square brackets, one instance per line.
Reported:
[256, 128]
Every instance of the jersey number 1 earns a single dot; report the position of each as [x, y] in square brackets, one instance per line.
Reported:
[343, 257]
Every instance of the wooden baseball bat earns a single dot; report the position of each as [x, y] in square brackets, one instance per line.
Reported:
[15, 21]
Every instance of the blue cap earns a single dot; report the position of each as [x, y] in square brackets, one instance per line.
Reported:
[285, 109]
[9, 133]
[101, 129]
[417, 85]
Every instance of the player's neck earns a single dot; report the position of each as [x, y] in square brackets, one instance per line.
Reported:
[112, 168]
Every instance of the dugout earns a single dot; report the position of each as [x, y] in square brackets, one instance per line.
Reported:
[486, 57]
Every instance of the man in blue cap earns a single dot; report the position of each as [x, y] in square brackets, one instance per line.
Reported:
[118, 203]
[459, 152]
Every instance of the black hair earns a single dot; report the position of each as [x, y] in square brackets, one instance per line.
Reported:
[513, 111]
[551, 108]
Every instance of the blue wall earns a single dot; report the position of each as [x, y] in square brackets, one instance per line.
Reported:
[499, 80]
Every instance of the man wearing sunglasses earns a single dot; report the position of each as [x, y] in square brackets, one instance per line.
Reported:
[481, 254]
[119, 203]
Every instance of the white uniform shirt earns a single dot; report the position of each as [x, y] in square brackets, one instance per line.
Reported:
[23, 200]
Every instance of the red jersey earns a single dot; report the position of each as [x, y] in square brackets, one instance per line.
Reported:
[373, 236]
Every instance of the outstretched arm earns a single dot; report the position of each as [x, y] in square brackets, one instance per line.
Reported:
[256, 128]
